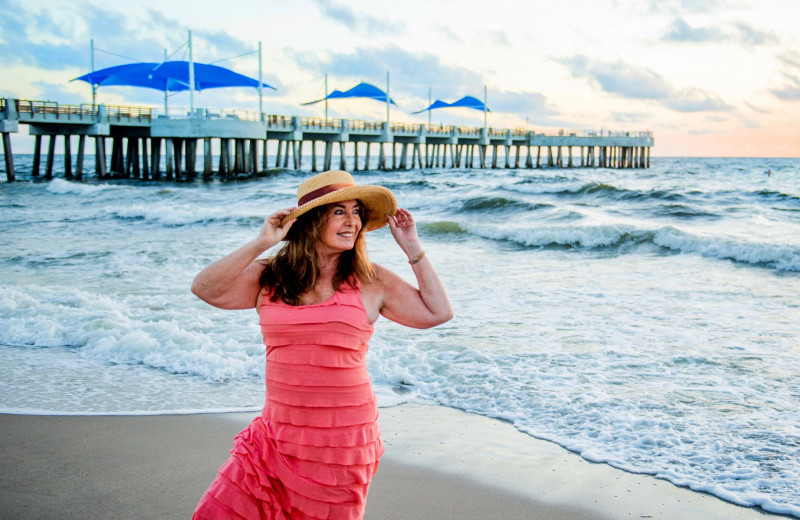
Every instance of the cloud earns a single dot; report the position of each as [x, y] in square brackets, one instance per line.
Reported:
[757, 109]
[741, 33]
[680, 31]
[631, 117]
[410, 73]
[790, 89]
[627, 81]
[449, 34]
[499, 38]
[530, 104]
[357, 21]
[694, 6]
[619, 78]
[747, 35]
[41, 38]
[696, 100]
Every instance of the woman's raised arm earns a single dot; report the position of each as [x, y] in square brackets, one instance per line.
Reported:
[232, 282]
[421, 308]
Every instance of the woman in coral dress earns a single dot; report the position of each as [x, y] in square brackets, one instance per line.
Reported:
[314, 449]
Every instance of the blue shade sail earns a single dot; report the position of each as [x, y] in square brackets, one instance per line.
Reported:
[363, 90]
[466, 102]
[170, 76]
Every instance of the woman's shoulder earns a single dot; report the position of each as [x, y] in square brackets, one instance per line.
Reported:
[382, 277]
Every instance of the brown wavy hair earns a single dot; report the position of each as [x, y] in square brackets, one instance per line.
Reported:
[295, 268]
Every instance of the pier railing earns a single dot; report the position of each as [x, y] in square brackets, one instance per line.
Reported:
[51, 111]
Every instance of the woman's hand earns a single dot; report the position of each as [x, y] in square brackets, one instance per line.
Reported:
[272, 232]
[404, 231]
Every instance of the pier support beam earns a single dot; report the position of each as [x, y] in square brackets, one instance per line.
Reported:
[155, 158]
[136, 165]
[79, 164]
[299, 156]
[51, 152]
[100, 156]
[9, 157]
[404, 156]
[168, 159]
[254, 156]
[281, 146]
[224, 159]
[326, 159]
[381, 157]
[208, 160]
[178, 151]
[313, 156]
[67, 158]
[37, 155]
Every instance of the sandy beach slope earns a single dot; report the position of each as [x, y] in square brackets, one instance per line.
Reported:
[440, 463]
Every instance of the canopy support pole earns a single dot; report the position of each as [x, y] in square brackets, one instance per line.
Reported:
[260, 83]
[387, 100]
[191, 78]
[94, 86]
[484, 110]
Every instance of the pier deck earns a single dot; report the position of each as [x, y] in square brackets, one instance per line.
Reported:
[431, 145]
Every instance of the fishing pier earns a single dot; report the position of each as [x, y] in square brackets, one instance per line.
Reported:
[141, 137]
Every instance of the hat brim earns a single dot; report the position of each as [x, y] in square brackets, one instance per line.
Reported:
[378, 200]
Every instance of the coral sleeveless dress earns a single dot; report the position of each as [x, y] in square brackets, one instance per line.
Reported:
[314, 449]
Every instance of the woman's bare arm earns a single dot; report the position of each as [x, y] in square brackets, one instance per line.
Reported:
[403, 303]
[232, 282]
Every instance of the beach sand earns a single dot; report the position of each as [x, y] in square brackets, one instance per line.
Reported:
[440, 463]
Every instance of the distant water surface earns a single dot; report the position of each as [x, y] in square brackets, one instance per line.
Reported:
[644, 318]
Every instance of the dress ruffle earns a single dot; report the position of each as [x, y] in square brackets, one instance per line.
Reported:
[314, 449]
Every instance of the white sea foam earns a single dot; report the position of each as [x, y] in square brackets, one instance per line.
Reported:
[783, 257]
[171, 214]
[104, 329]
[64, 187]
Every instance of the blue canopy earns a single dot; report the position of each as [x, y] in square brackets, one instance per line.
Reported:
[466, 102]
[364, 90]
[170, 76]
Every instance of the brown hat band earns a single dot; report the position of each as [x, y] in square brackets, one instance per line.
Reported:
[308, 197]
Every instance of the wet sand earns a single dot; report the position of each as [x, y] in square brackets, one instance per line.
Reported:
[440, 463]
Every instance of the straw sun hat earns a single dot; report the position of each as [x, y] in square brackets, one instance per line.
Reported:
[337, 186]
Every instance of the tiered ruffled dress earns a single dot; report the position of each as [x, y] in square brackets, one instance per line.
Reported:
[314, 449]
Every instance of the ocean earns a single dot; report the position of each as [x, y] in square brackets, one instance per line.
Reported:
[647, 318]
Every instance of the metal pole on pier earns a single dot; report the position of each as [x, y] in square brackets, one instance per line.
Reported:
[484, 108]
[166, 114]
[94, 85]
[387, 99]
[260, 83]
[191, 78]
[326, 99]
[429, 111]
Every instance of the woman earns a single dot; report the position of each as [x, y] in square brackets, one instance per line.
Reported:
[316, 445]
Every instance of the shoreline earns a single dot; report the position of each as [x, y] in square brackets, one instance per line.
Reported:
[439, 463]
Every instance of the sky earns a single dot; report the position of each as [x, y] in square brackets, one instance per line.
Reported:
[713, 78]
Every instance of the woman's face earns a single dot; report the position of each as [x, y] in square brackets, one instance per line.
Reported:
[341, 228]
